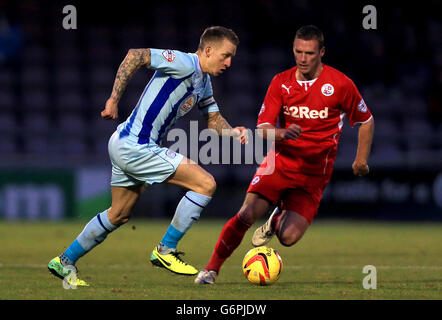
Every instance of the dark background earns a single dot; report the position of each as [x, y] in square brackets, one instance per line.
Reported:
[54, 83]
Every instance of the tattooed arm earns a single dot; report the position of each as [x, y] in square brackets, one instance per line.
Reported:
[216, 121]
[135, 59]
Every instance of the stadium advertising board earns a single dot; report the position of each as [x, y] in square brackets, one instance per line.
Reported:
[29, 193]
[391, 194]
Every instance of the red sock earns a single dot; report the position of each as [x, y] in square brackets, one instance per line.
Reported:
[275, 222]
[229, 239]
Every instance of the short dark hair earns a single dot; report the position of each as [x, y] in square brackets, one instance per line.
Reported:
[310, 32]
[217, 33]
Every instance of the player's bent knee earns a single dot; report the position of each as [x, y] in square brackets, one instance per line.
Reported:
[207, 185]
[289, 240]
[211, 185]
[119, 218]
[247, 214]
[118, 221]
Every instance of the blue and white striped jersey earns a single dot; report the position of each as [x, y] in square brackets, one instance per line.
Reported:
[177, 85]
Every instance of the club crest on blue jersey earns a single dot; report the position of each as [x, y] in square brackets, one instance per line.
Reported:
[187, 105]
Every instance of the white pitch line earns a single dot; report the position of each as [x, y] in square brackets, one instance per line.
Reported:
[292, 267]
[359, 267]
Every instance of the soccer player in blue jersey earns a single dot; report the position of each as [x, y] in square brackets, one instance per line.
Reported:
[181, 81]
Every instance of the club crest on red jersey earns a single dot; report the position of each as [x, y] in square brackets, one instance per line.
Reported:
[327, 89]
[169, 55]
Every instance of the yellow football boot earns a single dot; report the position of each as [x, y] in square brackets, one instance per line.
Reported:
[69, 274]
[172, 262]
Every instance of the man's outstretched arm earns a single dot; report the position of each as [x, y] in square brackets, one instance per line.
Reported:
[217, 122]
[365, 137]
[270, 132]
[135, 59]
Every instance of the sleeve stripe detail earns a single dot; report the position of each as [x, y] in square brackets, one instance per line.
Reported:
[261, 124]
[206, 106]
[206, 101]
[362, 122]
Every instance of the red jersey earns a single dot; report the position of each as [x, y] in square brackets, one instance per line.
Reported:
[319, 111]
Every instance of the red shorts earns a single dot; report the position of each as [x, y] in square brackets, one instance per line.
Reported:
[297, 192]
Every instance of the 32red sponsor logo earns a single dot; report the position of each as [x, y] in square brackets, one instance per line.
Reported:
[304, 112]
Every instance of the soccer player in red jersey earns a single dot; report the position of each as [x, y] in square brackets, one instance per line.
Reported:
[310, 101]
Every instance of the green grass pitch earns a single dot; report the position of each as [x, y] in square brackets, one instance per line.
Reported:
[326, 264]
